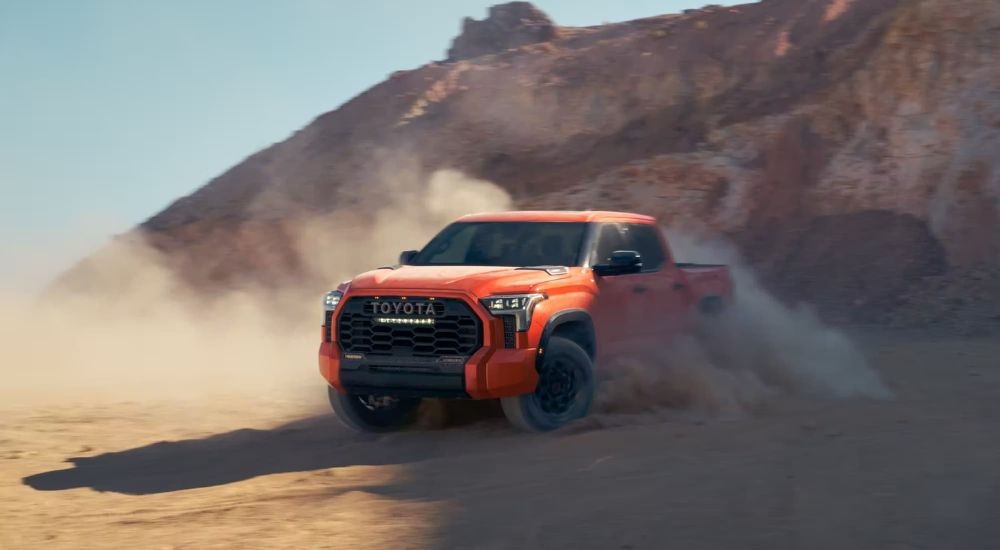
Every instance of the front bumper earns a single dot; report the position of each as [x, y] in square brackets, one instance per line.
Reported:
[496, 369]
[489, 373]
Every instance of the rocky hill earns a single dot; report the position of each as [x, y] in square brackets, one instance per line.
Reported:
[851, 149]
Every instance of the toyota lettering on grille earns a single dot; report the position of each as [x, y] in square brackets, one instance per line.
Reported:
[403, 308]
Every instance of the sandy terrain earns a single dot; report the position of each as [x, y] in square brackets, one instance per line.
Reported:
[918, 471]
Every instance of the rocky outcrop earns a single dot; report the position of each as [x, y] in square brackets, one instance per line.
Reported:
[509, 25]
[850, 148]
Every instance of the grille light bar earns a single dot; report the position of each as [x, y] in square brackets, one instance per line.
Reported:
[403, 321]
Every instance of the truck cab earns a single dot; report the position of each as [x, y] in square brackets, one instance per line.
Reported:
[516, 306]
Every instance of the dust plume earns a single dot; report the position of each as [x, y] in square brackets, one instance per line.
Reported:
[155, 338]
[339, 247]
[734, 362]
[141, 334]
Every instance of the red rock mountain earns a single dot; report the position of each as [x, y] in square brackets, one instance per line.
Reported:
[850, 148]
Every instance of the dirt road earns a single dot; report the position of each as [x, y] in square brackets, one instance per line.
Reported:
[919, 471]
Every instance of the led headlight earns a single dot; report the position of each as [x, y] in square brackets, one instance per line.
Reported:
[518, 305]
[331, 300]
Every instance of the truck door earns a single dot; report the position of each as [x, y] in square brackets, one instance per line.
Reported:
[626, 308]
[660, 289]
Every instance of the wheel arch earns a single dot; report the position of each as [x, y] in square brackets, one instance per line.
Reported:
[573, 324]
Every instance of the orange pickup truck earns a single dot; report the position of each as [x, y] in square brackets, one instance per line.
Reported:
[515, 306]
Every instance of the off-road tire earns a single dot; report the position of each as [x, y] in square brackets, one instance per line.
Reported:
[353, 413]
[551, 406]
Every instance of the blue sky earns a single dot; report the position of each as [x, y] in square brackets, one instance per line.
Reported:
[110, 109]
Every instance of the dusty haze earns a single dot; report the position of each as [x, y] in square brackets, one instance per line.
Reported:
[199, 420]
[153, 338]
[759, 349]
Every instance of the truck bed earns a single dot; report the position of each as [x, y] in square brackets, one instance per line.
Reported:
[707, 279]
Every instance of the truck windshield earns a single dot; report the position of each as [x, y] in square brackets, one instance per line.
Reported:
[516, 244]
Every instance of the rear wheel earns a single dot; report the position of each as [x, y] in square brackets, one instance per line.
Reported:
[373, 413]
[564, 392]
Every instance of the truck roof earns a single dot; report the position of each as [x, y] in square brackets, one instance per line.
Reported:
[558, 216]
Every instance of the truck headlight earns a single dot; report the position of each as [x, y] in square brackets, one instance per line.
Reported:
[518, 305]
[331, 300]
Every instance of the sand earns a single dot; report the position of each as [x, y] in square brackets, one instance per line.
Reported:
[920, 470]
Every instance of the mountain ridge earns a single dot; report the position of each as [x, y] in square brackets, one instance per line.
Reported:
[819, 136]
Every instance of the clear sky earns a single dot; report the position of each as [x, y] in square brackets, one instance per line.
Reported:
[110, 109]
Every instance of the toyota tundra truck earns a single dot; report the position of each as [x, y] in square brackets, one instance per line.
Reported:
[516, 306]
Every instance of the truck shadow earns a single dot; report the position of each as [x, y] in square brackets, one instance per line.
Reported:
[313, 443]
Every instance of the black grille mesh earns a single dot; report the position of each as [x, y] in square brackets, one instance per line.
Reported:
[509, 328]
[456, 330]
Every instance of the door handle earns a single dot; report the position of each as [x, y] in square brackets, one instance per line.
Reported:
[639, 289]
[678, 286]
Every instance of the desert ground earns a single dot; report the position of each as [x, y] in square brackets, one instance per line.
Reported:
[918, 470]
[165, 393]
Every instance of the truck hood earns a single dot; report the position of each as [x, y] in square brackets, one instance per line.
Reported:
[478, 280]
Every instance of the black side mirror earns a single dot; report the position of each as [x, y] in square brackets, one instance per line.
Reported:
[406, 256]
[621, 262]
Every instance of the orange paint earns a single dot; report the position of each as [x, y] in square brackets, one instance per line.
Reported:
[624, 310]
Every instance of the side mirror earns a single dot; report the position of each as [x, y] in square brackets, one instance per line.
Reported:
[621, 262]
[406, 256]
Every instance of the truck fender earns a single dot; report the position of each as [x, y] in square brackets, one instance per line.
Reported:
[578, 316]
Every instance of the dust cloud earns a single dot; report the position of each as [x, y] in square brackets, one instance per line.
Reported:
[733, 363]
[154, 339]
[147, 337]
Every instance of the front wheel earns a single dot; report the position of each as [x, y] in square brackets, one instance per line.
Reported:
[373, 413]
[564, 392]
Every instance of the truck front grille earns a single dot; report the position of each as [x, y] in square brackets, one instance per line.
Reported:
[391, 326]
